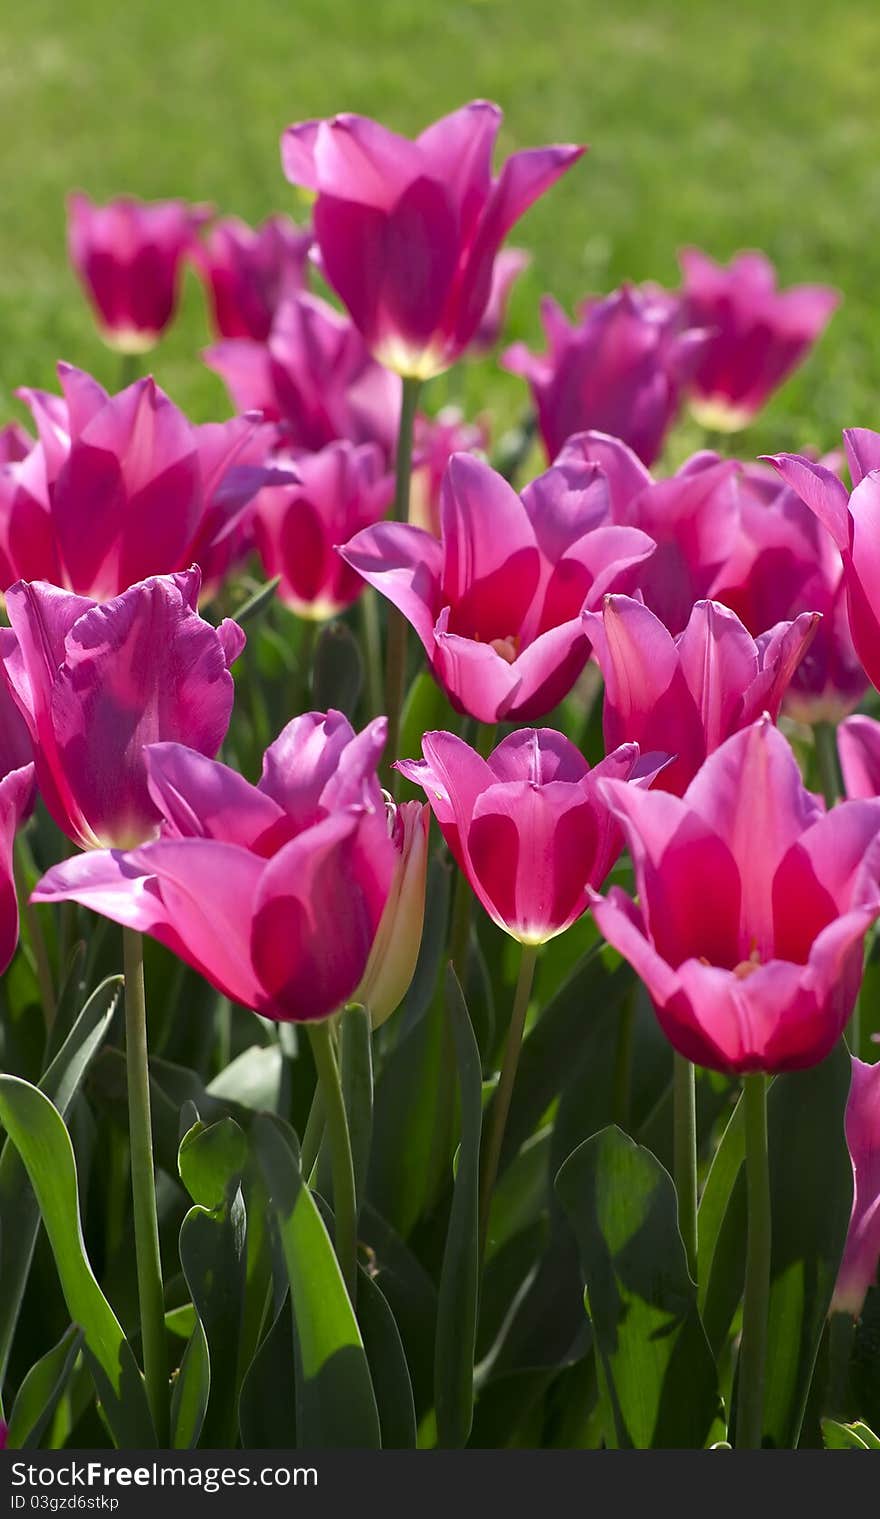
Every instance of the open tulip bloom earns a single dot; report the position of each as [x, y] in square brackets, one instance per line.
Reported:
[249, 271]
[121, 487]
[274, 892]
[408, 231]
[753, 906]
[496, 601]
[128, 256]
[757, 333]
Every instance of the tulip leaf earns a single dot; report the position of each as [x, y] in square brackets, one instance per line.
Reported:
[356, 1072]
[721, 1233]
[390, 1373]
[425, 709]
[405, 1118]
[459, 1276]
[38, 1133]
[335, 1403]
[252, 1079]
[38, 1394]
[60, 1083]
[267, 1406]
[411, 1295]
[256, 604]
[848, 1436]
[657, 1377]
[337, 670]
[192, 1390]
[211, 1160]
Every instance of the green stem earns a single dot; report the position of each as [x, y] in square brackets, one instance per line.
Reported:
[504, 1093]
[753, 1348]
[841, 1330]
[308, 637]
[344, 1199]
[825, 739]
[395, 652]
[684, 1122]
[373, 648]
[312, 1134]
[36, 938]
[143, 1186]
[129, 369]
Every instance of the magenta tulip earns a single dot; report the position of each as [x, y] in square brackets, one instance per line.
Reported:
[686, 695]
[313, 378]
[128, 256]
[15, 443]
[693, 518]
[274, 892]
[858, 744]
[341, 489]
[408, 232]
[619, 370]
[122, 487]
[782, 563]
[97, 682]
[529, 826]
[436, 440]
[853, 520]
[508, 266]
[753, 906]
[759, 334]
[861, 1256]
[497, 600]
[249, 271]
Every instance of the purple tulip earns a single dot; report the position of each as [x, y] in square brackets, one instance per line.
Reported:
[249, 271]
[128, 256]
[17, 793]
[758, 334]
[496, 601]
[96, 682]
[408, 232]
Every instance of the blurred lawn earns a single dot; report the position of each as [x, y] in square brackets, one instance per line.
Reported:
[720, 125]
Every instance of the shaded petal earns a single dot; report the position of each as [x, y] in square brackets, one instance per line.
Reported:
[719, 662]
[858, 1269]
[477, 680]
[16, 799]
[453, 776]
[318, 764]
[623, 469]
[819, 488]
[200, 798]
[404, 563]
[858, 743]
[862, 452]
[539, 755]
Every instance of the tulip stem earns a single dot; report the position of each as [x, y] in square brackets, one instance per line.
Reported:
[753, 1348]
[504, 1092]
[39, 950]
[395, 652]
[830, 779]
[373, 648]
[143, 1186]
[684, 1122]
[129, 369]
[341, 1165]
[313, 1133]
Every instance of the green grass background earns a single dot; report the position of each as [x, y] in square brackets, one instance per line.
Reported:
[723, 125]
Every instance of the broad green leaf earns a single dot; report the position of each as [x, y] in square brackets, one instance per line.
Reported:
[192, 1390]
[657, 1374]
[521, 1195]
[721, 1233]
[848, 1436]
[335, 1403]
[356, 1072]
[38, 1133]
[212, 1254]
[432, 949]
[252, 1079]
[459, 1276]
[38, 1394]
[19, 1213]
[412, 1297]
[267, 1405]
[211, 1160]
[181, 1321]
[390, 1374]
[425, 708]
[405, 1119]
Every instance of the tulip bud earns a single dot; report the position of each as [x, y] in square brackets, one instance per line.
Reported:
[392, 961]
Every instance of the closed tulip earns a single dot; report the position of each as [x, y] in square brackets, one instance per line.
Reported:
[496, 601]
[408, 231]
[753, 904]
[96, 682]
[274, 892]
[249, 271]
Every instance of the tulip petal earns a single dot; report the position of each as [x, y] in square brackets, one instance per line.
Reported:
[819, 488]
[623, 469]
[531, 848]
[539, 755]
[319, 764]
[16, 797]
[453, 775]
[862, 452]
[200, 798]
[858, 743]
[476, 678]
[858, 1269]
[405, 564]
[719, 662]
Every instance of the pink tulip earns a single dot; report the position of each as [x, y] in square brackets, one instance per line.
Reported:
[408, 232]
[274, 892]
[395, 949]
[759, 334]
[97, 682]
[341, 489]
[753, 906]
[313, 378]
[508, 266]
[249, 271]
[529, 826]
[693, 518]
[128, 256]
[782, 563]
[15, 443]
[436, 440]
[858, 1269]
[619, 370]
[497, 600]
[16, 800]
[686, 695]
[853, 520]
[122, 487]
[858, 744]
